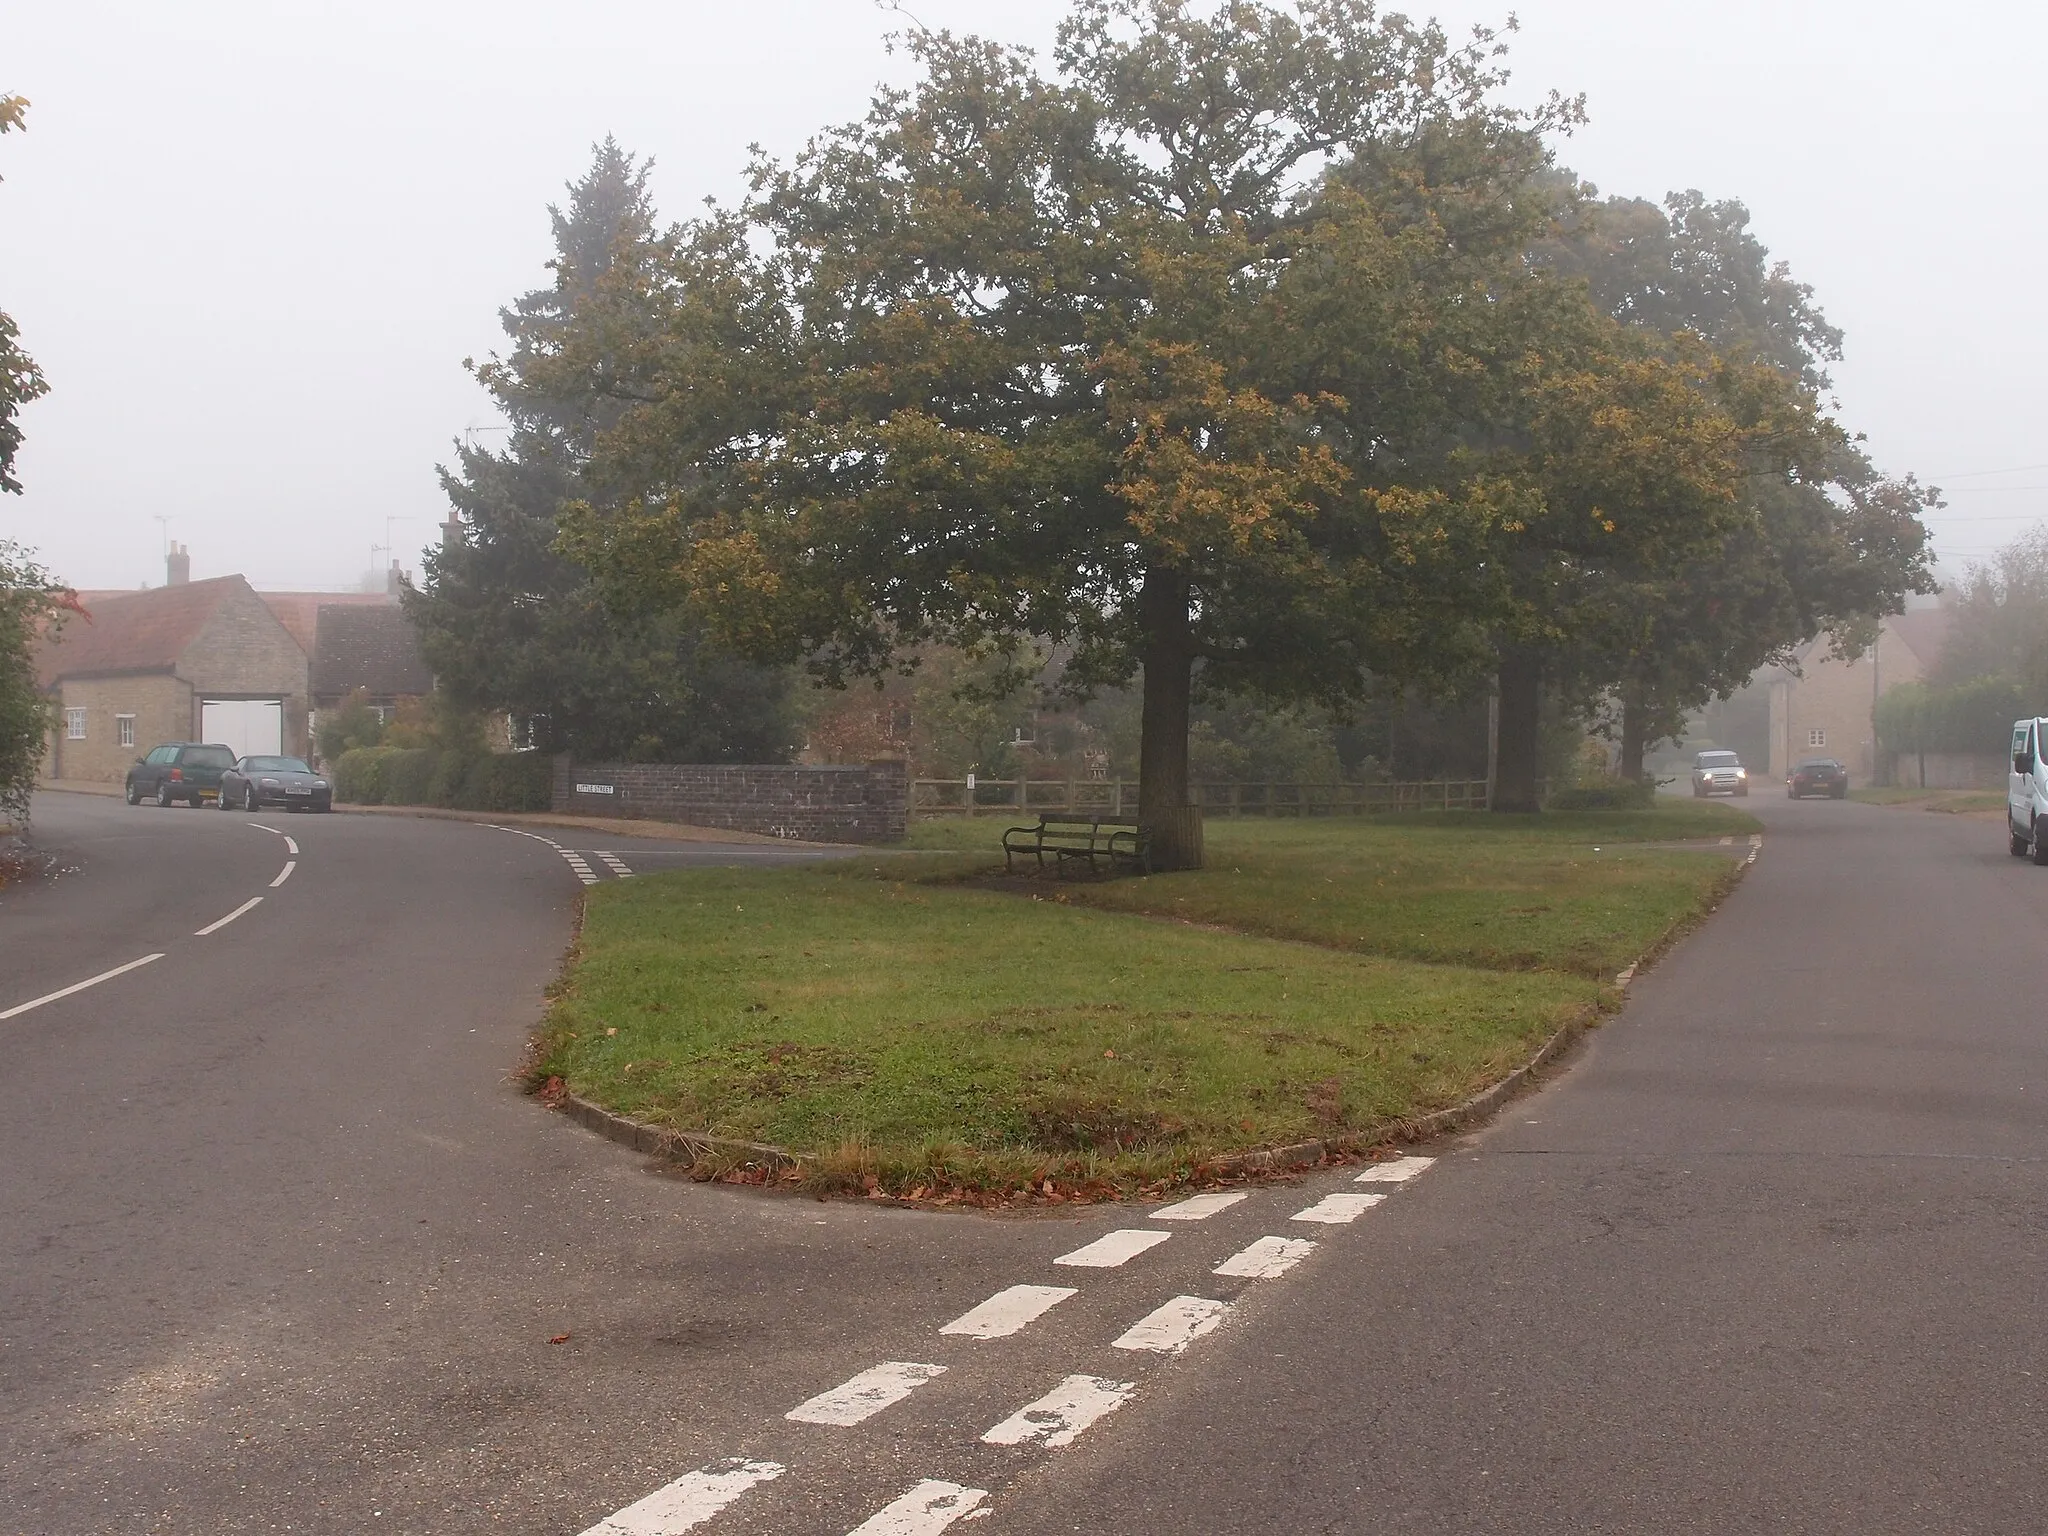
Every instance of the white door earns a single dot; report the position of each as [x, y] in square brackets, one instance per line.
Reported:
[250, 726]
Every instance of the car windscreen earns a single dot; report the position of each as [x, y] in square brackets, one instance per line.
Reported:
[1818, 763]
[1719, 760]
[275, 765]
[208, 757]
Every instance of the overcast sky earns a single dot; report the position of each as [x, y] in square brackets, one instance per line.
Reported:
[251, 243]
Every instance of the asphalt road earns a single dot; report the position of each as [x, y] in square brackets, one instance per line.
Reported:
[282, 1249]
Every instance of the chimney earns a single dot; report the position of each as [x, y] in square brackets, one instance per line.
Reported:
[394, 579]
[451, 531]
[177, 566]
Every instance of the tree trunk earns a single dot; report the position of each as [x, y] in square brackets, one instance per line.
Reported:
[1521, 699]
[1175, 826]
[1633, 726]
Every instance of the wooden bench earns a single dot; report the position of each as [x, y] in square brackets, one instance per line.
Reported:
[1071, 839]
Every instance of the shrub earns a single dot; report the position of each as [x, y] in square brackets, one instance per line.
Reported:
[408, 775]
[509, 781]
[450, 769]
[1617, 795]
[359, 775]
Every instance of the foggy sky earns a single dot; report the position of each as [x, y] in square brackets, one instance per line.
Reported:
[251, 244]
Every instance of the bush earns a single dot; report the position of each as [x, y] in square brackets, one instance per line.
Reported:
[359, 775]
[489, 781]
[1619, 795]
[408, 775]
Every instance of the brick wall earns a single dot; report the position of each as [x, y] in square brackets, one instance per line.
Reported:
[868, 804]
[160, 703]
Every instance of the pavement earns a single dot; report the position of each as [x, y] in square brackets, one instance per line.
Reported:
[282, 1248]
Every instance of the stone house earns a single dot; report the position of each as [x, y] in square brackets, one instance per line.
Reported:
[1827, 709]
[188, 661]
[371, 647]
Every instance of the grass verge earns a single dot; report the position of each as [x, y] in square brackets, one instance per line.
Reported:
[1954, 801]
[920, 1025]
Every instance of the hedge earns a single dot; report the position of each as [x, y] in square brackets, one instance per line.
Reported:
[467, 781]
[1619, 796]
[1975, 716]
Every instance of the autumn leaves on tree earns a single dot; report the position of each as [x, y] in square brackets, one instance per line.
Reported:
[1248, 349]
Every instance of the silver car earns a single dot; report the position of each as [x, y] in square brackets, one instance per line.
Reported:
[1719, 773]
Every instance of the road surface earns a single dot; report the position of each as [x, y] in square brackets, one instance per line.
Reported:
[282, 1248]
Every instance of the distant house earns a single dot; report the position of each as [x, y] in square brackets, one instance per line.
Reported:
[372, 648]
[1827, 709]
[188, 661]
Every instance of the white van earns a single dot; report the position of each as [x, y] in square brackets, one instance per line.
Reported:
[2026, 791]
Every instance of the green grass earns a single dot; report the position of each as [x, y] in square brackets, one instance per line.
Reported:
[952, 1037]
[919, 1021]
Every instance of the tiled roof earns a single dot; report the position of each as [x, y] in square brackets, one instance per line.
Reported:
[373, 647]
[1925, 631]
[299, 612]
[133, 632]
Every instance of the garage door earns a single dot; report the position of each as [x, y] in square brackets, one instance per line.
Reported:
[250, 726]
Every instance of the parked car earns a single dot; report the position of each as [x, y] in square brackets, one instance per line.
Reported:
[180, 770]
[255, 782]
[1719, 773]
[1818, 776]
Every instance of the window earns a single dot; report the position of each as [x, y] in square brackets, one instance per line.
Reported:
[1817, 737]
[74, 725]
[125, 724]
[208, 757]
[162, 755]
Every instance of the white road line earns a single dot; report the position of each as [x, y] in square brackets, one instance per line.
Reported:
[616, 865]
[291, 846]
[688, 1501]
[253, 901]
[1399, 1171]
[1726, 841]
[927, 1509]
[516, 832]
[866, 1395]
[1172, 1328]
[260, 827]
[1267, 1259]
[1335, 1210]
[1058, 1418]
[285, 873]
[1113, 1249]
[1008, 1311]
[1199, 1207]
[79, 986]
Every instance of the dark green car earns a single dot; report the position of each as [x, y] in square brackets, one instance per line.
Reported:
[180, 770]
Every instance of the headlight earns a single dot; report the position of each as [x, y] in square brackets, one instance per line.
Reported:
[1742, 773]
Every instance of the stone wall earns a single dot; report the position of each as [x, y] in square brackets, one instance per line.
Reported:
[158, 705]
[868, 804]
[1950, 770]
[243, 652]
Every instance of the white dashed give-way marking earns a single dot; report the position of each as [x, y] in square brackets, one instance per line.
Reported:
[1399, 1171]
[616, 865]
[1173, 1327]
[688, 1501]
[576, 863]
[1113, 1249]
[928, 1508]
[1007, 1311]
[1335, 1210]
[1058, 1418]
[1198, 1207]
[866, 1395]
[1267, 1259]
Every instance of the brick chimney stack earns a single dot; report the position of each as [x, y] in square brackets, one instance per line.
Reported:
[177, 566]
[394, 579]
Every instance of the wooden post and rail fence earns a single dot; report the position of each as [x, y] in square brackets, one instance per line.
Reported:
[1119, 797]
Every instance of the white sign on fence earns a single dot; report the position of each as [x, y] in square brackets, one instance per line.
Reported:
[596, 789]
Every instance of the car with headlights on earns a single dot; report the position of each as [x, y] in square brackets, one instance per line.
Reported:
[1818, 776]
[256, 782]
[1719, 773]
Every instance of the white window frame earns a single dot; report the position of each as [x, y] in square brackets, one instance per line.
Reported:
[124, 730]
[74, 725]
[1817, 736]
